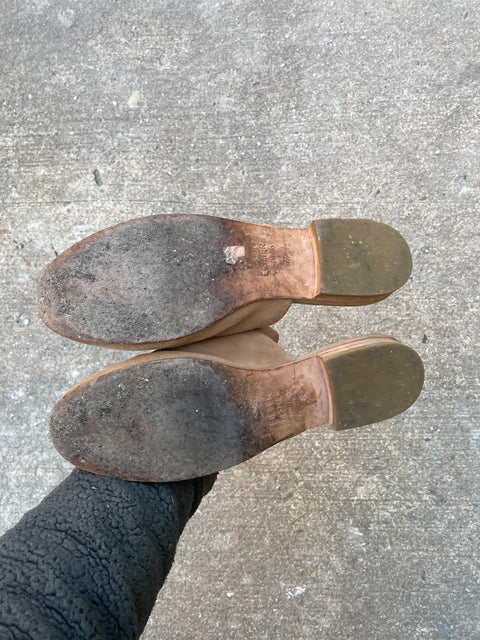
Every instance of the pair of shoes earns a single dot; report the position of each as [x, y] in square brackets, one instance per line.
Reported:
[204, 290]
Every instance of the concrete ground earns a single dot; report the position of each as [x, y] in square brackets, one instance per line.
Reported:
[276, 112]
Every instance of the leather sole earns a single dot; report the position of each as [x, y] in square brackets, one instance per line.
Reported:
[159, 281]
[168, 416]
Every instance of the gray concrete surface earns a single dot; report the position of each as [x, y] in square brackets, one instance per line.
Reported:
[277, 112]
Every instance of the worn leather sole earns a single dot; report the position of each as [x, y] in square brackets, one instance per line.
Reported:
[168, 416]
[166, 280]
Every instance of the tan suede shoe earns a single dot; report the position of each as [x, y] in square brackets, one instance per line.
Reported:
[171, 415]
[164, 281]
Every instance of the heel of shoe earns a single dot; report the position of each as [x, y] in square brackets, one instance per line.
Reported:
[359, 258]
[372, 382]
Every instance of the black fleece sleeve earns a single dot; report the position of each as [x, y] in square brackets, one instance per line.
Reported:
[88, 562]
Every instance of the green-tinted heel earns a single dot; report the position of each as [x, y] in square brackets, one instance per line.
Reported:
[359, 258]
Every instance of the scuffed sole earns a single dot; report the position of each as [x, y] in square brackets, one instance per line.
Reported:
[165, 417]
[158, 282]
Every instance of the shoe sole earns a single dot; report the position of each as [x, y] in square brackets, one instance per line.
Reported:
[149, 283]
[164, 417]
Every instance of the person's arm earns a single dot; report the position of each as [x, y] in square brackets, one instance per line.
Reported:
[88, 562]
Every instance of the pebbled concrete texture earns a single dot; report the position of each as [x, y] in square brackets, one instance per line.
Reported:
[279, 113]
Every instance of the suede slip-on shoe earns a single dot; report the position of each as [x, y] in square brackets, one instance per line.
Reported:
[167, 280]
[172, 415]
